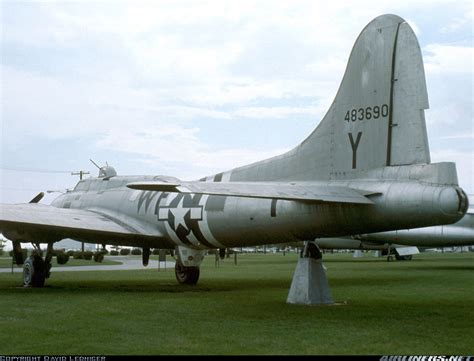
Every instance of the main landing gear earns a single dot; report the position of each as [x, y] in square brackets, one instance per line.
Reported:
[399, 258]
[392, 252]
[186, 275]
[187, 265]
[36, 269]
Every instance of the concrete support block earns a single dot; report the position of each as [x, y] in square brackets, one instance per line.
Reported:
[310, 285]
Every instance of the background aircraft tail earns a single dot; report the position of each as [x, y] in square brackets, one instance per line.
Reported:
[376, 120]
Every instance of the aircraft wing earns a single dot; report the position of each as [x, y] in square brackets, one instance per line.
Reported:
[43, 223]
[286, 191]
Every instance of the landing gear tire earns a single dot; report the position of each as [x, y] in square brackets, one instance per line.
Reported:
[34, 272]
[186, 275]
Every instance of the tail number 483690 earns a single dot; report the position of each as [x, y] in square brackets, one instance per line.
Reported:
[367, 113]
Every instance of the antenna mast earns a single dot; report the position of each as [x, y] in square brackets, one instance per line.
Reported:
[80, 173]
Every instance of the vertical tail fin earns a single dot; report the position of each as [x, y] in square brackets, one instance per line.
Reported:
[376, 119]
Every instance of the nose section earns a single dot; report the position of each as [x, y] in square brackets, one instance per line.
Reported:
[453, 201]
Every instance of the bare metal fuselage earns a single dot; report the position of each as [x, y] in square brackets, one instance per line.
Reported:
[207, 221]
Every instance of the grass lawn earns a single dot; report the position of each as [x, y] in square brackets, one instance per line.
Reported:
[424, 306]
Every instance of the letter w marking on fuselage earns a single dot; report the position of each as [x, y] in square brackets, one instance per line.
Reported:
[145, 197]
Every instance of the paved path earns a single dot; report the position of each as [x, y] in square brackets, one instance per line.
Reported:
[127, 264]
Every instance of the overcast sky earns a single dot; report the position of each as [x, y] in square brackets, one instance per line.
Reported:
[191, 88]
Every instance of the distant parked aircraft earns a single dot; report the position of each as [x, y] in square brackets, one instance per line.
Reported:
[403, 243]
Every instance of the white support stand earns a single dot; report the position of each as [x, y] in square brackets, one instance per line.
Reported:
[310, 285]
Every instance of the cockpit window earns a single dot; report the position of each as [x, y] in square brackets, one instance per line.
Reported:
[94, 185]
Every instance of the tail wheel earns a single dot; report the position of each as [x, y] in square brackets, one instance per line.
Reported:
[311, 251]
[186, 275]
[34, 272]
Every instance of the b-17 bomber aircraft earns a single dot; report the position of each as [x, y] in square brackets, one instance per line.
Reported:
[365, 168]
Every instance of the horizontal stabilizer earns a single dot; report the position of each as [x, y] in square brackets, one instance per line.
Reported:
[287, 191]
[407, 251]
